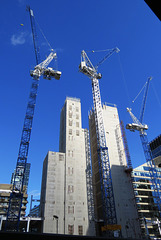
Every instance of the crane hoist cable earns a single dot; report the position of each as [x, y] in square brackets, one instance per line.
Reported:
[43, 34]
[139, 92]
[124, 80]
[49, 45]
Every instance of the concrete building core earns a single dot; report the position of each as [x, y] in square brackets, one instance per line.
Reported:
[72, 142]
[125, 204]
[63, 192]
[52, 192]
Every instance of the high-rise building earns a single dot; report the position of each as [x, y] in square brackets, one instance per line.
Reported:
[72, 142]
[145, 199]
[155, 146]
[63, 202]
[125, 205]
[148, 211]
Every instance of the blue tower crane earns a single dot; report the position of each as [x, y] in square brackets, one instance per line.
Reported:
[89, 70]
[16, 196]
[139, 126]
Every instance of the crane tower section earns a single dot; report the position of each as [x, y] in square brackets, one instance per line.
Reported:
[41, 69]
[89, 70]
[138, 125]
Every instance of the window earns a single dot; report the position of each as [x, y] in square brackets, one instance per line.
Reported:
[70, 131]
[70, 122]
[77, 124]
[70, 138]
[61, 157]
[77, 116]
[70, 188]
[77, 109]
[77, 132]
[70, 107]
[70, 114]
[71, 209]
[70, 170]
[80, 229]
[71, 229]
[70, 153]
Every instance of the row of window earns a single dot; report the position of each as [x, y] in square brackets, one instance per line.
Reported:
[71, 229]
[70, 108]
[71, 210]
[70, 114]
[70, 132]
[71, 123]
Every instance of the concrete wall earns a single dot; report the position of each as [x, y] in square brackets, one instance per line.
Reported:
[64, 191]
[52, 192]
[123, 192]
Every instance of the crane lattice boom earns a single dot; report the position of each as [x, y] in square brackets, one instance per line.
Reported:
[136, 125]
[87, 68]
[139, 126]
[16, 196]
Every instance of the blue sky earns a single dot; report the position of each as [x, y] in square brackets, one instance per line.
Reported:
[70, 27]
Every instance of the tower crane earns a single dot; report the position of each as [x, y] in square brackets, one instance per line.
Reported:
[41, 69]
[138, 125]
[87, 68]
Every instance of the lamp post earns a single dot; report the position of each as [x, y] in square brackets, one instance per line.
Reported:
[56, 217]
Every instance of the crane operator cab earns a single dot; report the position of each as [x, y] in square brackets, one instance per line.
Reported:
[90, 72]
[47, 73]
[134, 126]
[51, 73]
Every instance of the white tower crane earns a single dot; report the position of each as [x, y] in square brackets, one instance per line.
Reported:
[87, 68]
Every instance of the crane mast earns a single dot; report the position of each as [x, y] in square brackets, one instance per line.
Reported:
[16, 196]
[139, 126]
[87, 68]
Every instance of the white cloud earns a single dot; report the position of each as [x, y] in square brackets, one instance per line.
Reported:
[18, 39]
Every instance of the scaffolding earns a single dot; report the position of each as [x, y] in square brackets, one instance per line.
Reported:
[90, 198]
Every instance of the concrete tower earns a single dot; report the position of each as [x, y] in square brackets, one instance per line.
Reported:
[125, 204]
[63, 190]
[72, 143]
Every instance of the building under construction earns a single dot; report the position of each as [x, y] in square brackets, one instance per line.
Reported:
[63, 190]
[125, 205]
[148, 211]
